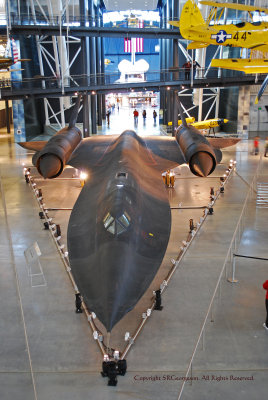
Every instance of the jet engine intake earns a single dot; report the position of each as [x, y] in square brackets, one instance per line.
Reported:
[197, 151]
[51, 160]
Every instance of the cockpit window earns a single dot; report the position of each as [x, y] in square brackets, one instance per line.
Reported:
[107, 220]
[109, 223]
[124, 219]
[116, 226]
[121, 174]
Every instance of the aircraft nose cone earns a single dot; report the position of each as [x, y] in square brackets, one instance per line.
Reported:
[201, 164]
[49, 166]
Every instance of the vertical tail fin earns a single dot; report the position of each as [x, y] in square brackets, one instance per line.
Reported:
[75, 111]
[183, 119]
[190, 16]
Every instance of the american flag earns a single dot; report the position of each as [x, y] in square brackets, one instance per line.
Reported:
[135, 44]
[14, 51]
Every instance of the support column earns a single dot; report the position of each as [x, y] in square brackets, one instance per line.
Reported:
[92, 63]
[163, 65]
[98, 70]
[103, 103]
[170, 106]
[243, 111]
[7, 116]
[85, 116]
[85, 67]
[175, 112]
[175, 44]
[93, 104]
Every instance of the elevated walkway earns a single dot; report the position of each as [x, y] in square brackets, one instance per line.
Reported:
[94, 31]
[110, 83]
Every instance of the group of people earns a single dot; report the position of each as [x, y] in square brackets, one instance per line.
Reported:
[188, 66]
[144, 115]
[110, 109]
[256, 143]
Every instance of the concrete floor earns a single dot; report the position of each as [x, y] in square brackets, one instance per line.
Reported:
[47, 350]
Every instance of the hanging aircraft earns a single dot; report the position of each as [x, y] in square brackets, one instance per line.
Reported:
[250, 35]
[7, 62]
[119, 227]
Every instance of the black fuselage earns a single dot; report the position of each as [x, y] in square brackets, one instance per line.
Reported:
[119, 229]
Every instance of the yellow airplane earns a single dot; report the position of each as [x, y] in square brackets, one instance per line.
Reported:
[189, 120]
[250, 35]
[207, 124]
[107, 61]
[247, 65]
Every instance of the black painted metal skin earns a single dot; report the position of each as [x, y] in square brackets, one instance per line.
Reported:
[120, 224]
[119, 227]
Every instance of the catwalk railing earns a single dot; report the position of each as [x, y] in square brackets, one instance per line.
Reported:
[42, 18]
[43, 86]
[224, 271]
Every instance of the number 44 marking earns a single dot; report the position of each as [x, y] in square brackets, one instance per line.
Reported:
[244, 36]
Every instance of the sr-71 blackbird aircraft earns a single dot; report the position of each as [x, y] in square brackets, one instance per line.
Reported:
[120, 224]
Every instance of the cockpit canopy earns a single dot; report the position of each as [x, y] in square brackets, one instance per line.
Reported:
[116, 225]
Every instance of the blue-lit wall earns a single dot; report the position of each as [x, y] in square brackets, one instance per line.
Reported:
[114, 51]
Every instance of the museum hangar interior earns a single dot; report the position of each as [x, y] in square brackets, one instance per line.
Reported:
[197, 331]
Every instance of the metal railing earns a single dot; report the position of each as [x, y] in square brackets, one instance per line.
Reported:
[39, 18]
[98, 337]
[176, 263]
[228, 261]
[103, 79]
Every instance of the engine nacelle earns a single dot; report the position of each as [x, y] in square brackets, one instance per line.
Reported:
[197, 151]
[51, 160]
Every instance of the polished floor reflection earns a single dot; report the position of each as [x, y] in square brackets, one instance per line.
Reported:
[48, 351]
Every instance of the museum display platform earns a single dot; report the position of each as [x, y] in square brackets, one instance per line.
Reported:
[48, 351]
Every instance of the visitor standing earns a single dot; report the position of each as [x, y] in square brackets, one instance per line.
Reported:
[108, 113]
[144, 116]
[265, 287]
[136, 115]
[266, 147]
[154, 116]
[187, 69]
[256, 145]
